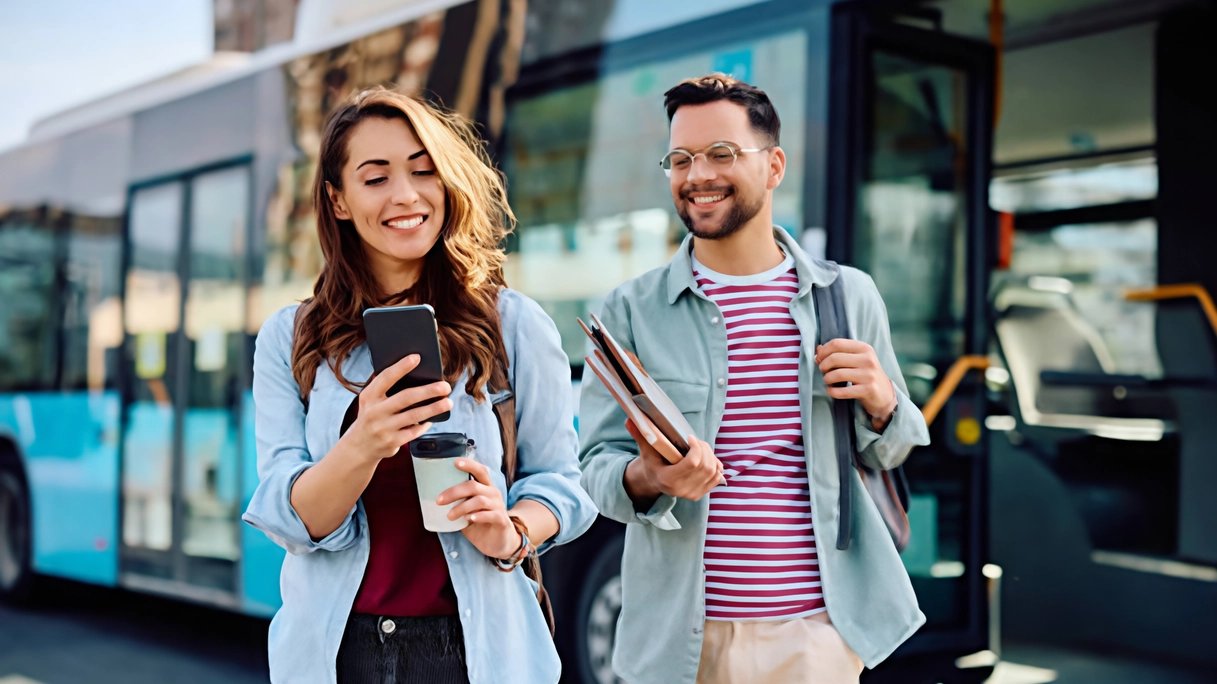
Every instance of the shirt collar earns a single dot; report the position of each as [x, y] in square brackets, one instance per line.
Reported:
[810, 271]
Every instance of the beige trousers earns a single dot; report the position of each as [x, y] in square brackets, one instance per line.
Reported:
[804, 651]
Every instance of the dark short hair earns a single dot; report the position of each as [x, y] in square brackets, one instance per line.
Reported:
[715, 87]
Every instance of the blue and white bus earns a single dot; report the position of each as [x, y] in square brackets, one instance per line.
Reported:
[146, 236]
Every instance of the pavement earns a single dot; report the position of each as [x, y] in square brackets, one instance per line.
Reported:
[1024, 663]
[77, 633]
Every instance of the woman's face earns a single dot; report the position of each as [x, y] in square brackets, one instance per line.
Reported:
[391, 194]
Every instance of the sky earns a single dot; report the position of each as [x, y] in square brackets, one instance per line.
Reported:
[55, 54]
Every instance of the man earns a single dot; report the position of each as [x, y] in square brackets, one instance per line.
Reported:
[744, 582]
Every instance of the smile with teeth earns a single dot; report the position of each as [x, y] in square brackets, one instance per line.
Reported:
[407, 223]
[707, 200]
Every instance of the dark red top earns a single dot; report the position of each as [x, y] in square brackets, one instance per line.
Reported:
[407, 574]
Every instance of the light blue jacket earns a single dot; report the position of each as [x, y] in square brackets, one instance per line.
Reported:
[677, 333]
[506, 638]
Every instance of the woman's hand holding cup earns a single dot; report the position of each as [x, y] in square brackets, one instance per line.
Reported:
[489, 529]
[384, 425]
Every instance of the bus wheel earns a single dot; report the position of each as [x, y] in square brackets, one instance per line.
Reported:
[597, 611]
[16, 576]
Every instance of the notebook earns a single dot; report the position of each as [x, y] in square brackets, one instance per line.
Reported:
[644, 402]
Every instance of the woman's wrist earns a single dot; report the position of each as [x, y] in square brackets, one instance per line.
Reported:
[519, 551]
[355, 454]
[513, 548]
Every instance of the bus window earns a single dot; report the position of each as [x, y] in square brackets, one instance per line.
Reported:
[910, 205]
[215, 348]
[28, 255]
[1090, 262]
[92, 317]
[152, 316]
[582, 162]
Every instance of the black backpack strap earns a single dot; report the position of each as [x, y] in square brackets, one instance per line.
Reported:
[832, 324]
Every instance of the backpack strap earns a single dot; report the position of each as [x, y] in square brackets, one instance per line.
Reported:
[832, 324]
[504, 406]
[887, 489]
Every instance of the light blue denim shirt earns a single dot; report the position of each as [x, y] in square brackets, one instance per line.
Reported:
[506, 638]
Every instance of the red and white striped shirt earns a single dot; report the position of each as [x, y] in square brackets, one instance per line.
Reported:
[760, 555]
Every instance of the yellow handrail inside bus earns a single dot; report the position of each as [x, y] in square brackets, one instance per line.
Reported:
[1178, 292]
[951, 382]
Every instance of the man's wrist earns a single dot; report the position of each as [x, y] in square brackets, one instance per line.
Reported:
[638, 485]
[880, 419]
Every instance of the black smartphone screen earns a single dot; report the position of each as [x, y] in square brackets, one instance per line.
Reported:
[395, 332]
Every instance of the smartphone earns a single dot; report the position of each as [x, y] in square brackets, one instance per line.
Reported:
[395, 332]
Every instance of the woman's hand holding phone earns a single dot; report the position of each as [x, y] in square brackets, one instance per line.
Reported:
[384, 425]
[489, 529]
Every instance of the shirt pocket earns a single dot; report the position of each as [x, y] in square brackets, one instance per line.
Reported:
[689, 397]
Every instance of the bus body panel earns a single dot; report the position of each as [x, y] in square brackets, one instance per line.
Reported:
[261, 558]
[206, 128]
[69, 446]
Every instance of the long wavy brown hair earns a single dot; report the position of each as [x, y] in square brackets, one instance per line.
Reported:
[461, 274]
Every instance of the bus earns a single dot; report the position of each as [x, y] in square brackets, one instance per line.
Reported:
[146, 236]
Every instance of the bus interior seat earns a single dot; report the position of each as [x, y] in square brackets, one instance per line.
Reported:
[1041, 331]
[1117, 457]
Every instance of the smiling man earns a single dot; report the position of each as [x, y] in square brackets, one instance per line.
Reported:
[745, 581]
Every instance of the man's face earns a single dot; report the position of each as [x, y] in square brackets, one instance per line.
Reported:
[717, 199]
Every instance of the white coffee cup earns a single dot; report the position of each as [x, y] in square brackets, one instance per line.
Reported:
[435, 470]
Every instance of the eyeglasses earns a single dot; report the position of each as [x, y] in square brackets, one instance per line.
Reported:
[720, 155]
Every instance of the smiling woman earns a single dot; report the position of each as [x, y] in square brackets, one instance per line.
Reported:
[396, 206]
[402, 174]
[410, 211]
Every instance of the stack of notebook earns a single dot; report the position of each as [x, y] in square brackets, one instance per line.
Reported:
[646, 405]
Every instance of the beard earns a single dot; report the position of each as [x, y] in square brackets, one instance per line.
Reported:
[742, 211]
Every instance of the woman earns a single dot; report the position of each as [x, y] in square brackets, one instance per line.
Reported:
[410, 212]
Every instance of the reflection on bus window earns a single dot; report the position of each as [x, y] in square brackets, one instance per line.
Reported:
[583, 174]
[1095, 263]
[152, 314]
[27, 287]
[912, 230]
[1073, 188]
[1099, 263]
[153, 289]
[92, 316]
[215, 347]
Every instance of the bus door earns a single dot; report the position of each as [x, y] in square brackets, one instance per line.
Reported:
[910, 136]
[186, 366]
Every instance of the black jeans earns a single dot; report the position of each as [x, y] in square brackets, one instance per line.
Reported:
[407, 650]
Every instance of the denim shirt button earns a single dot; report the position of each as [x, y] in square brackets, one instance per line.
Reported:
[468, 612]
[714, 320]
[454, 554]
[721, 382]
